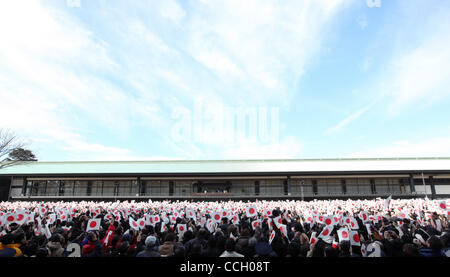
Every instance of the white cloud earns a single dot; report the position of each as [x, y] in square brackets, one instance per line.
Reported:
[436, 147]
[288, 148]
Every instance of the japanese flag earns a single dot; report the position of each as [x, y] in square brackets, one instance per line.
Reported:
[42, 210]
[310, 219]
[235, 219]
[251, 211]
[268, 213]
[272, 236]
[320, 219]
[442, 206]
[141, 223]
[278, 221]
[255, 224]
[51, 218]
[326, 232]
[173, 219]
[328, 221]
[63, 216]
[163, 227]
[2, 233]
[270, 223]
[343, 234]
[107, 217]
[353, 223]
[9, 218]
[403, 215]
[93, 224]
[30, 217]
[20, 218]
[313, 239]
[156, 219]
[216, 217]
[354, 238]
[190, 214]
[364, 217]
[181, 228]
[133, 224]
[283, 229]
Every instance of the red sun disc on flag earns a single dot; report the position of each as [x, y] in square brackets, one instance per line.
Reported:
[364, 216]
[10, 218]
[320, 218]
[347, 220]
[181, 228]
[251, 211]
[344, 235]
[141, 223]
[63, 217]
[353, 224]
[217, 217]
[313, 241]
[325, 233]
[134, 223]
[442, 205]
[280, 220]
[272, 236]
[356, 237]
[43, 210]
[20, 217]
[403, 215]
[327, 221]
[224, 214]
[93, 224]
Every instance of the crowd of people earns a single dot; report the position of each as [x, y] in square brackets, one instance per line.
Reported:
[319, 228]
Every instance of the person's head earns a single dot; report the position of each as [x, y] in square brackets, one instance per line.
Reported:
[7, 239]
[179, 251]
[30, 248]
[123, 248]
[212, 242]
[410, 250]
[187, 236]
[196, 250]
[230, 245]
[150, 242]
[344, 247]
[202, 233]
[294, 249]
[170, 237]
[19, 237]
[330, 251]
[434, 243]
[245, 232]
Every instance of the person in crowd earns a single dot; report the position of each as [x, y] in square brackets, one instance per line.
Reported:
[403, 228]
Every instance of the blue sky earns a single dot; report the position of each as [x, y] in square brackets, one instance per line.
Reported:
[123, 80]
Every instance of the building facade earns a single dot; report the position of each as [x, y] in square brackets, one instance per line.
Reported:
[234, 179]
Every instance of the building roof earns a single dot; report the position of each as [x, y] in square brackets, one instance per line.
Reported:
[240, 167]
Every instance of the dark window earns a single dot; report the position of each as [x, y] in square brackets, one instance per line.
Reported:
[344, 187]
[372, 186]
[314, 186]
[116, 188]
[256, 187]
[89, 188]
[171, 188]
[61, 188]
[143, 187]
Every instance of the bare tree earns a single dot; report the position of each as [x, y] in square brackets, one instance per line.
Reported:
[8, 143]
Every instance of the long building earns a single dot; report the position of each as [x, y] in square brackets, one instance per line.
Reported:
[227, 179]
